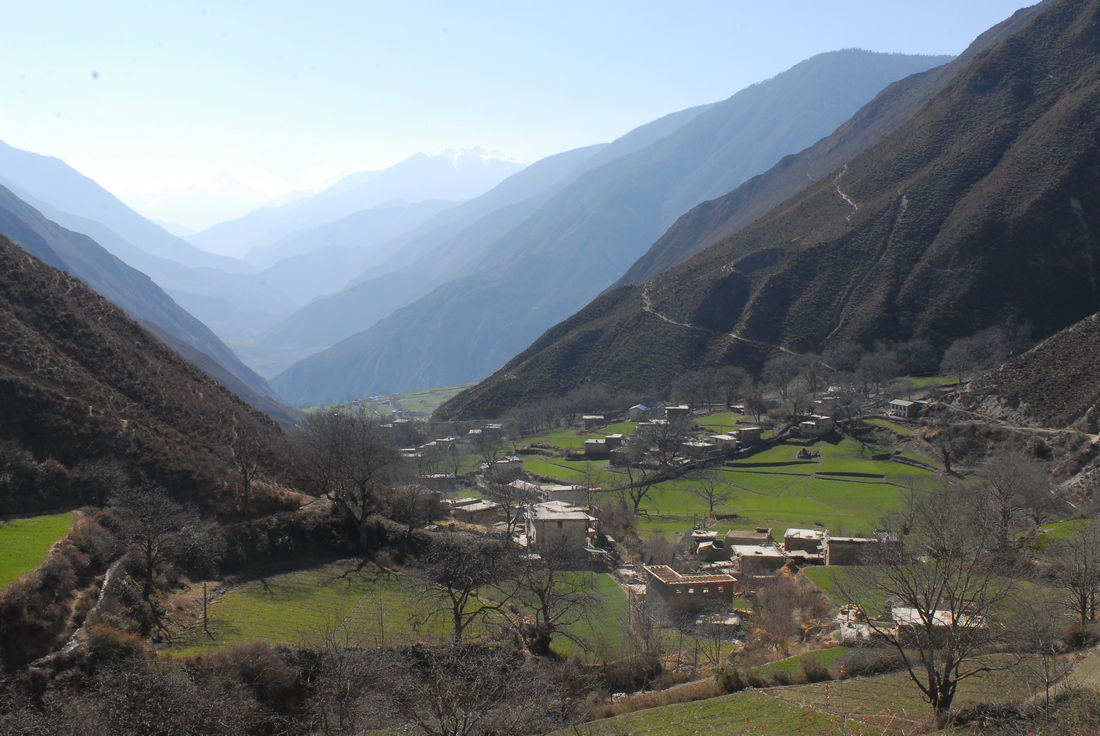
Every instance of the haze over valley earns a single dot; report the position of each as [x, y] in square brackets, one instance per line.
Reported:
[587, 369]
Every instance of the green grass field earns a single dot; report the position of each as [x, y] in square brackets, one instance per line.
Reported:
[895, 427]
[792, 666]
[25, 542]
[886, 704]
[843, 489]
[369, 609]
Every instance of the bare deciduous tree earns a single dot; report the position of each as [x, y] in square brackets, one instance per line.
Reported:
[943, 594]
[456, 567]
[1077, 568]
[712, 488]
[349, 459]
[556, 595]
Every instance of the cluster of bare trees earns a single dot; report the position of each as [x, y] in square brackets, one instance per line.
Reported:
[352, 461]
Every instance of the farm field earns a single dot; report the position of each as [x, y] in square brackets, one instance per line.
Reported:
[417, 402]
[884, 704]
[370, 609]
[842, 488]
[25, 542]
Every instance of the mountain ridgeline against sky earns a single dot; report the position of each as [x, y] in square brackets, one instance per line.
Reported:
[450, 175]
[586, 235]
[981, 209]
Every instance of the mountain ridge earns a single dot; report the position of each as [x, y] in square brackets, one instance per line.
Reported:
[930, 233]
[589, 233]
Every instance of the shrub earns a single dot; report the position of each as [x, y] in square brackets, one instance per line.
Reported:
[1079, 635]
[869, 661]
[106, 644]
[814, 671]
[730, 680]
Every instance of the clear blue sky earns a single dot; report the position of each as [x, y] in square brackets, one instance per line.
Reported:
[276, 96]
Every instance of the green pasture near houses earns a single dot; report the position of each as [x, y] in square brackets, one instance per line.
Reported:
[25, 542]
[901, 429]
[884, 704]
[305, 606]
[793, 666]
[746, 712]
[843, 489]
[372, 609]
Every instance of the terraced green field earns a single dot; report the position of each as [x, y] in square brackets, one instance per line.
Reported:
[25, 542]
[371, 609]
[886, 704]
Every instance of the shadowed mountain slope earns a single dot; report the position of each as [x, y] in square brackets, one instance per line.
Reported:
[981, 209]
[585, 237]
[81, 382]
[135, 293]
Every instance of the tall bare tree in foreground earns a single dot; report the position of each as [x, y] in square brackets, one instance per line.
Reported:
[457, 566]
[942, 596]
[556, 595]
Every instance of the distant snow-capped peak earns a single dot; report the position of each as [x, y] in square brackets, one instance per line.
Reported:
[477, 154]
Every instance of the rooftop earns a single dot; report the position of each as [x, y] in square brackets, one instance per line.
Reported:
[667, 575]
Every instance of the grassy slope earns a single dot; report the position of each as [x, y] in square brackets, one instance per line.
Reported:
[886, 704]
[305, 606]
[771, 488]
[25, 542]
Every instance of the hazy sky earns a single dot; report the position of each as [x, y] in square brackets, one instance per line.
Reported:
[165, 103]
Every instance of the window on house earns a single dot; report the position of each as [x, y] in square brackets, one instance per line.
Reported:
[559, 525]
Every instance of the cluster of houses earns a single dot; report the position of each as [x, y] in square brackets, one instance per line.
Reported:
[754, 553]
[549, 516]
[904, 623]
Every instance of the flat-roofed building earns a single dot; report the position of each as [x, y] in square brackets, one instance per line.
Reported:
[476, 511]
[690, 592]
[757, 560]
[806, 540]
[596, 448]
[759, 535]
[749, 435]
[591, 421]
[554, 524]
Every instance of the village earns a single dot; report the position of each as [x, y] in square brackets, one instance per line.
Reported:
[712, 575]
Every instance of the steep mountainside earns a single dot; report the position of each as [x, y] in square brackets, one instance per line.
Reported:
[983, 208]
[722, 217]
[135, 293]
[584, 237]
[81, 382]
[434, 253]
[1055, 384]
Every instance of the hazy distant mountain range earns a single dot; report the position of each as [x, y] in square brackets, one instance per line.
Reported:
[451, 175]
[237, 299]
[549, 260]
[979, 210]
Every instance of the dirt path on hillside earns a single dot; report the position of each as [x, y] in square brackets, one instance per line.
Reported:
[647, 306]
